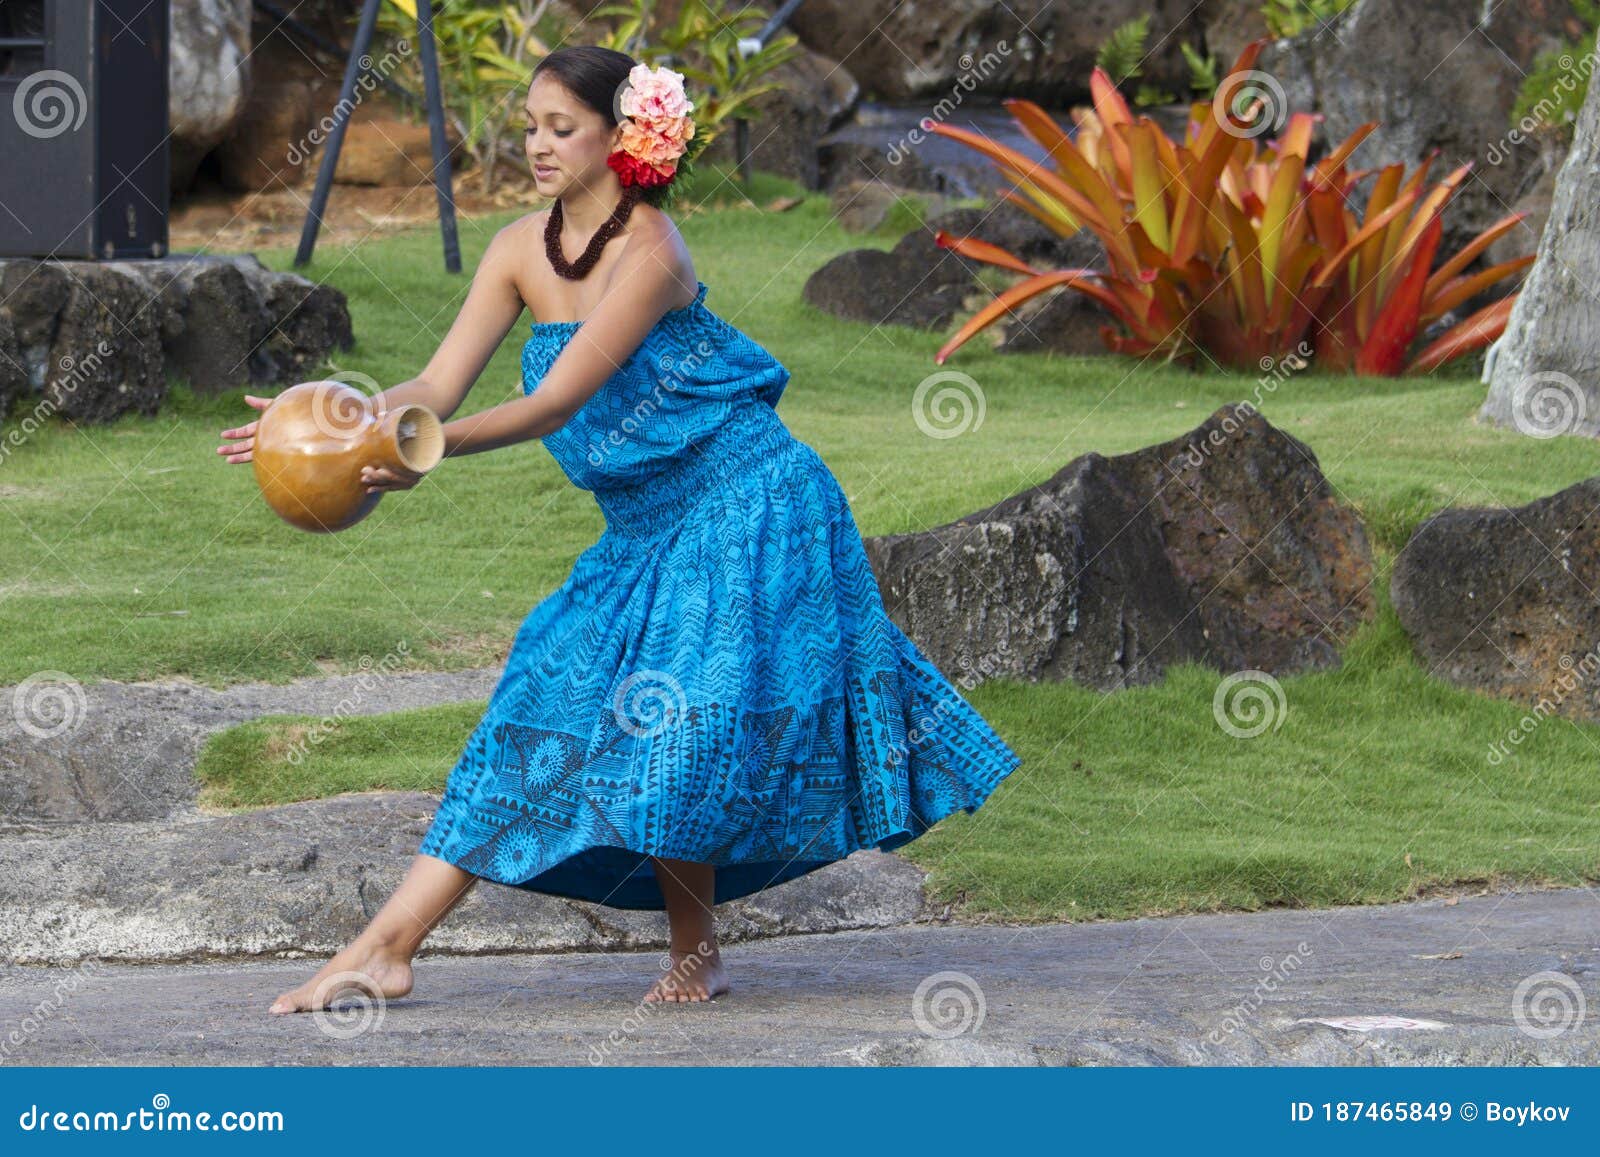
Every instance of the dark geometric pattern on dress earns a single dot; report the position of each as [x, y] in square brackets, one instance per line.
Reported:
[716, 680]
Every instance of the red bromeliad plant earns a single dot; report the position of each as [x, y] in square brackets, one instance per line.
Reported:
[1219, 246]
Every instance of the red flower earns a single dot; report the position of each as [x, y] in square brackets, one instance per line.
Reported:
[632, 171]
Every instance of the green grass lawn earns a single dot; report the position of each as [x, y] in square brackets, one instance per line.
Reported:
[137, 554]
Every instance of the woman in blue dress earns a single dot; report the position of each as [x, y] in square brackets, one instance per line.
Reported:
[714, 701]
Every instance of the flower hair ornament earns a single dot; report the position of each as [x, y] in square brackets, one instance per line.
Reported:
[658, 134]
[658, 142]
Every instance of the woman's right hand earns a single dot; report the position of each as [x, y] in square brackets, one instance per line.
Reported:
[241, 451]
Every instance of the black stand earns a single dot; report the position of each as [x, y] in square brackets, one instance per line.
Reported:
[345, 109]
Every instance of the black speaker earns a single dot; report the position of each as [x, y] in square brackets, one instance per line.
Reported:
[83, 128]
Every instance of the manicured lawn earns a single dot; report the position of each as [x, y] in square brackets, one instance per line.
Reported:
[137, 553]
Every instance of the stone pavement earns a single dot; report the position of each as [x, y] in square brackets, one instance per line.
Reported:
[1502, 978]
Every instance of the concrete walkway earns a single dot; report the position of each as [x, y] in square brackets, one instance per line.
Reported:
[1508, 978]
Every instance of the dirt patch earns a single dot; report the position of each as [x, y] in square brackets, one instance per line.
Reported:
[213, 219]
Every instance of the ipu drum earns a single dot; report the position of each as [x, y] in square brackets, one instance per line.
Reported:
[313, 441]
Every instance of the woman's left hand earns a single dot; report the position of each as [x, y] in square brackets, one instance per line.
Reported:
[381, 478]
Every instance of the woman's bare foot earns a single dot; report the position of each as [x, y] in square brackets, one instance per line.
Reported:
[364, 966]
[697, 975]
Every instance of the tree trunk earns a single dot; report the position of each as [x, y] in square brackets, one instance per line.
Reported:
[1544, 372]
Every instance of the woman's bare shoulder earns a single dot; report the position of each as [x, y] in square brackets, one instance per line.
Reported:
[653, 234]
[528, 223]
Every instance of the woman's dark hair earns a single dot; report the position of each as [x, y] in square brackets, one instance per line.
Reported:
[593, 75]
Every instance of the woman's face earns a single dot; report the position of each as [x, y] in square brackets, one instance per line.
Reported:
[566, 141]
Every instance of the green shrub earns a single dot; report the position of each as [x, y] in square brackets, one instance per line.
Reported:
[1553, 91]
[1292, 17]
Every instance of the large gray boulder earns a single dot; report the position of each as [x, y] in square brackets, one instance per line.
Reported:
[1225, 546]
[99, 339]
[914, 284]
[208, 77]
[1503, 600]
[1442, 75]
[86, 338]
[1043, 49]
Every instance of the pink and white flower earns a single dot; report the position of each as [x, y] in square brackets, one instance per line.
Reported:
[657, 128]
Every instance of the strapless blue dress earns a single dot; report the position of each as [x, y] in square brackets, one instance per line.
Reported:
[717, 679]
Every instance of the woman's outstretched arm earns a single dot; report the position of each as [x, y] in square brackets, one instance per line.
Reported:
[492, 307]
[646, 282]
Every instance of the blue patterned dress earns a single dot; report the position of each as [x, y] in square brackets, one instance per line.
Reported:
[717, 679]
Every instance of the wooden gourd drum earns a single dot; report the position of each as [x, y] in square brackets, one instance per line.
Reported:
[313, 441]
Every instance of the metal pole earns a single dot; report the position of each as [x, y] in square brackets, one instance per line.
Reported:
[441, 151]
[341, 117]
